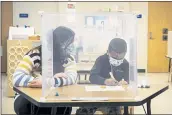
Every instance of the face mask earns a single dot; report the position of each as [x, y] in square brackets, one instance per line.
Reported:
[67, 52]
[115, 62]
[70, 50]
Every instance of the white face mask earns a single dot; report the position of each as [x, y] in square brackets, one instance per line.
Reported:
[115, 62]
[71, 49]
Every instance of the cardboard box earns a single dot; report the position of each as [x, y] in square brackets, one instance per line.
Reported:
[37, 37]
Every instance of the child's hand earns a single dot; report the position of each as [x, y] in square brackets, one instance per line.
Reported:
[111, 82]
[36, 83]
[123, 82]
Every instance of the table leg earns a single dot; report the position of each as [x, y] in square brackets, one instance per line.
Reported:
[169, 65]
[79, 77]
[149, 107]
[85, 76]
[53, 110]
[169, 68]
[125, 110]
[32, 109]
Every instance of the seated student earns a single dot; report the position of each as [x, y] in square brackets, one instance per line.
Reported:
[113, 61]
[25, 74]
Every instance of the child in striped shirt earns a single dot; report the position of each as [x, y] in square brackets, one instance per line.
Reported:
[28, 74]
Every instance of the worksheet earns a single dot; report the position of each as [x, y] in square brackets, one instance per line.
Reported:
[104, 88]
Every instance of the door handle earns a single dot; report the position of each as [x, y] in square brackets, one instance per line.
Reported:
[150, 35]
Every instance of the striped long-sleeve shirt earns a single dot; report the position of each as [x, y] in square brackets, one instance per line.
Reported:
[24, 72]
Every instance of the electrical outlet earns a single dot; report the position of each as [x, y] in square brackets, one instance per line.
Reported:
[165, 30]
[164, 37]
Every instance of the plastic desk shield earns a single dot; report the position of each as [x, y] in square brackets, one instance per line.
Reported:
[93, 33]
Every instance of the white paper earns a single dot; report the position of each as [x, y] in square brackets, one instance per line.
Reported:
[106, 88]
[71, 12]
[90, 21]
[20, 32]
[90, 99]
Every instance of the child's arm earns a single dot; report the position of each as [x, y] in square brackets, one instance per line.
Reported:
[70, 72]
[22, 74]
[126, 72]
[95, 77]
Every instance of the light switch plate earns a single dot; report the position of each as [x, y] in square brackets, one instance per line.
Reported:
[1, 51]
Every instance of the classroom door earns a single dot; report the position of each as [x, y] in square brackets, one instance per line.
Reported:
[159, 17]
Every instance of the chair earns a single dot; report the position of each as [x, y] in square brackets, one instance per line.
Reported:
[170, 71]
[85, 81]
[169, 68]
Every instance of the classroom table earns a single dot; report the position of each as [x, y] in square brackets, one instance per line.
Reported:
[169, 67]
[115, 98]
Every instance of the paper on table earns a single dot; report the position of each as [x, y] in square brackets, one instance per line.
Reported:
[104, 88]
[90, 99]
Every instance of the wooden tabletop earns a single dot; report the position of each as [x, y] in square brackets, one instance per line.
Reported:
[168, 56]
[126, 97]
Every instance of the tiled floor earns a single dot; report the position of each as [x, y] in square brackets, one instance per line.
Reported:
[160, 105]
